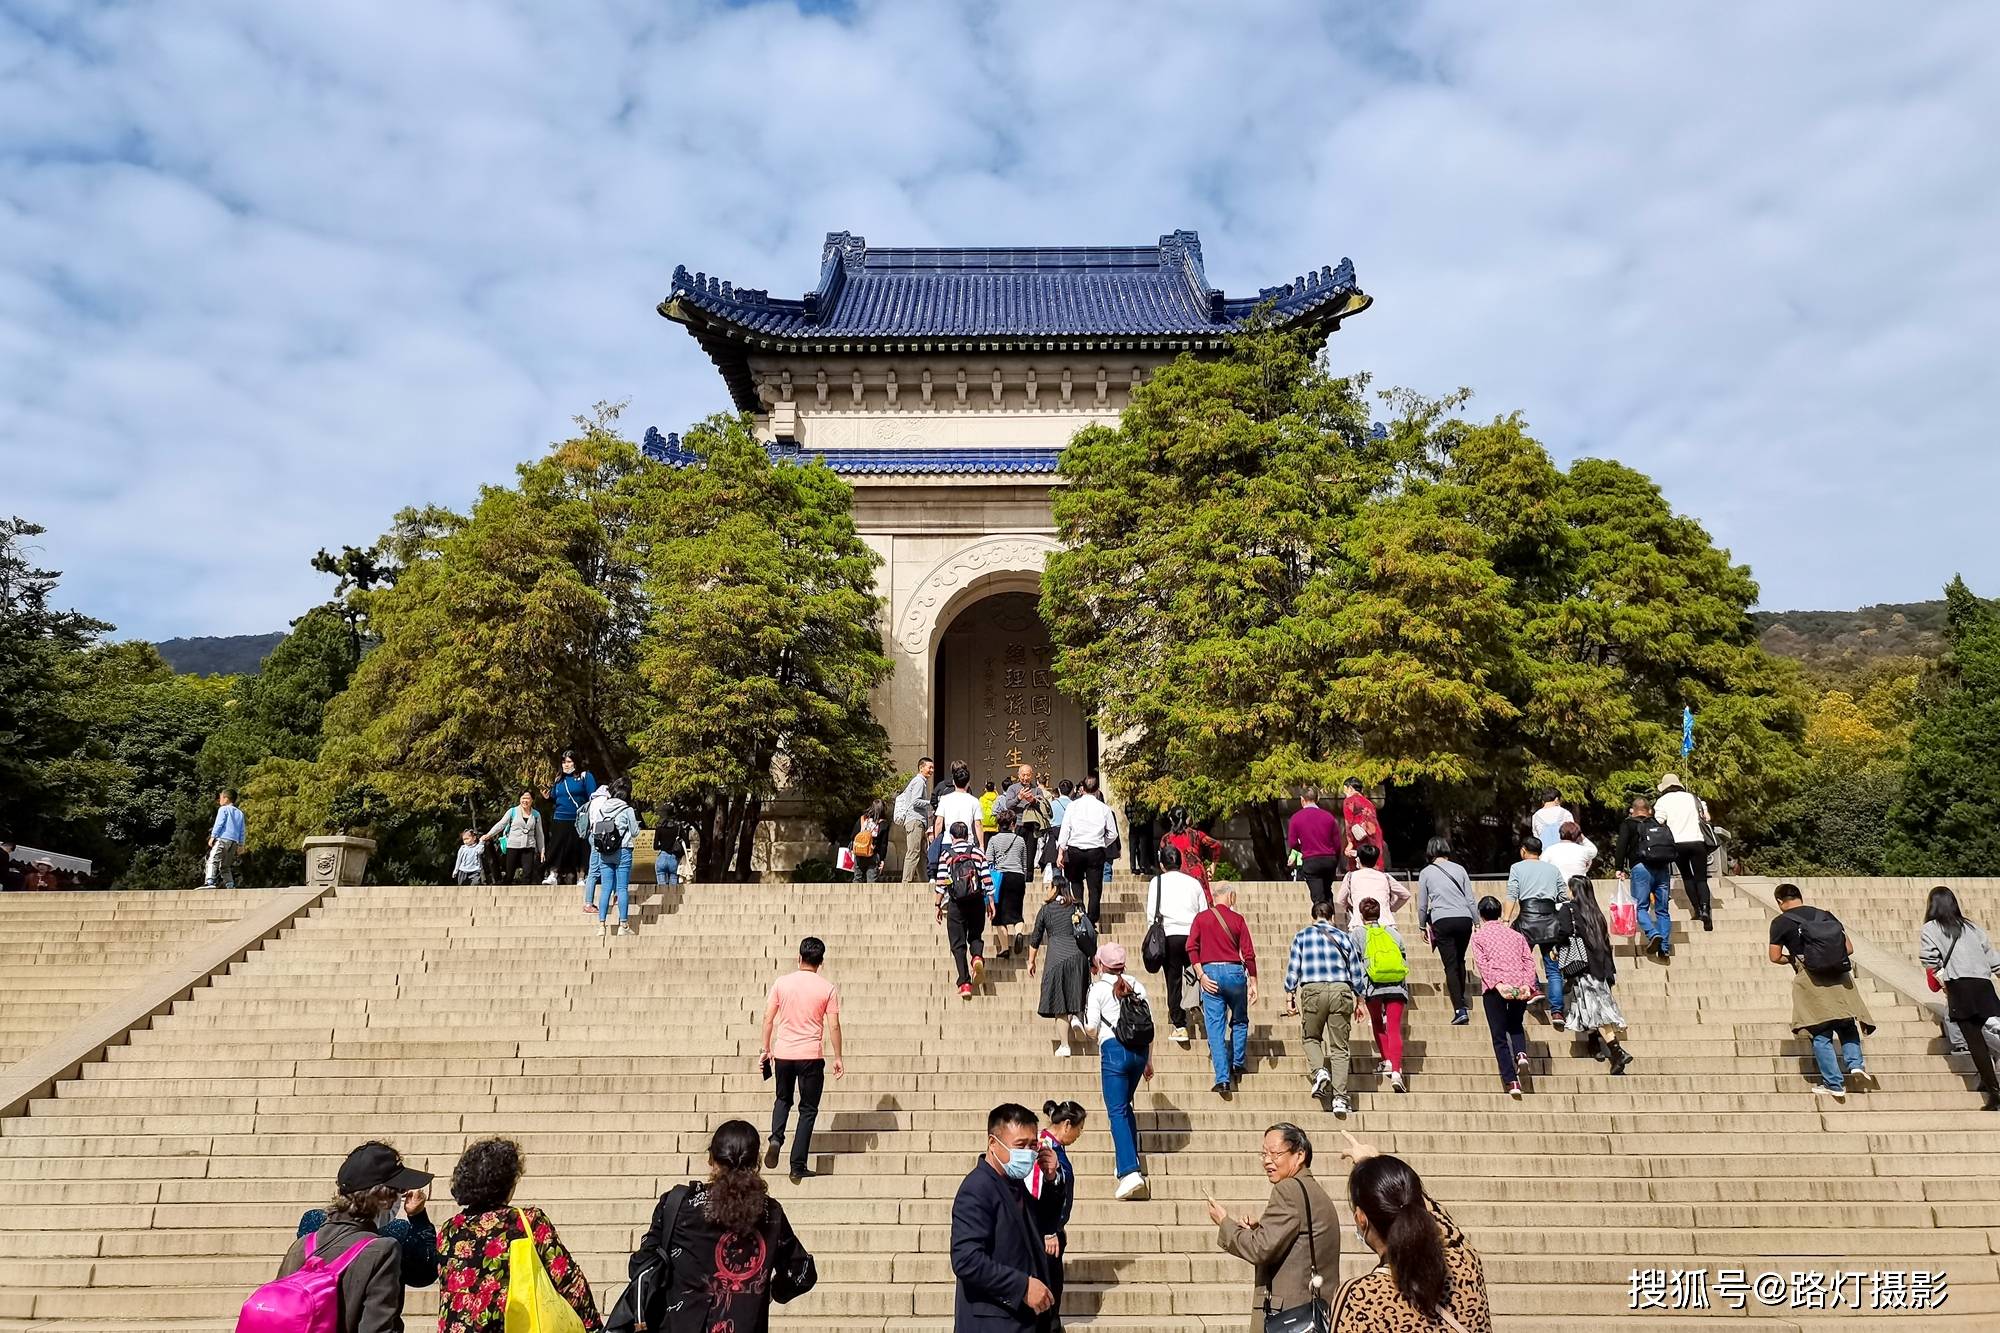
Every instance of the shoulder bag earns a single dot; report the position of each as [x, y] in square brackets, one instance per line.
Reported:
[644, 1304]
[1931, 973]
[533, 1303]
[1313, 1316]
[1153, 949]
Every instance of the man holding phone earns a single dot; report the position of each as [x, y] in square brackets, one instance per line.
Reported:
[801, 1016]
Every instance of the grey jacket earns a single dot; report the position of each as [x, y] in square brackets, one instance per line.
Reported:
[371, 1288]
[1971, 957]
[533, 826]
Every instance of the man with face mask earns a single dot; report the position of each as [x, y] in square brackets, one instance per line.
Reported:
[997, 1249]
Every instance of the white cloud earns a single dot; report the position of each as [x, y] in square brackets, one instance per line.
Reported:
[268, 272]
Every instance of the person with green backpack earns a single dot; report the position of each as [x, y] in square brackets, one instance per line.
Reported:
[1388, 972]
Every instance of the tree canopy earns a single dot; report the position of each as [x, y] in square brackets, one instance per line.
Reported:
[1946, 818]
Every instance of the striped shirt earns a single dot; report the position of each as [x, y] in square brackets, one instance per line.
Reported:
[1322, 952]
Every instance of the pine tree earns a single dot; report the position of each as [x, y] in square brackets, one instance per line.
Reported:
[1946, 821]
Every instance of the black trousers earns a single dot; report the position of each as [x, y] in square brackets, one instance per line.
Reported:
[806, 1079]
[1083, 867]
[1454, 937]
[519, 858]
[1692, 857]
[566, 851]
[1176, 970]
[965, 925]
[1320, 873]
[1973, 997]
[1505, 1019]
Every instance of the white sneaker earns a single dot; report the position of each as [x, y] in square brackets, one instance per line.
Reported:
[1076, 1025]
[603, 929]
[1062, 1052]
[1181, 1036]
[551, 879]
[1860, 1077]
[624, 929]
[1396, 1082]
[1321, 1081]
[1385, 1068]
[1339, 1108]
[1838, 1094]
[1130, 1187]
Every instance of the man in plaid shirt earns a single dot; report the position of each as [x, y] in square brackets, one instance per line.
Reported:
[1323, 977]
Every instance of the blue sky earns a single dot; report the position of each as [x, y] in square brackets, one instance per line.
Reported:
[269, 272]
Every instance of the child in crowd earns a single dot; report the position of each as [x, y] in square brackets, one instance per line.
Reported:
[467, 869]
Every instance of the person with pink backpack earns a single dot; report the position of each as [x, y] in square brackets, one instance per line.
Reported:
[346, 1277]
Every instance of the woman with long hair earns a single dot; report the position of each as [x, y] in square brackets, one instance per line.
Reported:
[475, 1244]
[1589, 1009]
[1960, 961]
[1428, 1275]
[720, 1250]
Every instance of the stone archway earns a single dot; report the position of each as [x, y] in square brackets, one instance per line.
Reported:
[994, 699]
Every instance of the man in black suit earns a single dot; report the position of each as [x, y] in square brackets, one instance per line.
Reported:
[997, 1248]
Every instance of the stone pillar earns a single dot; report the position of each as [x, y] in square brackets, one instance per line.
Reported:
[336, 860]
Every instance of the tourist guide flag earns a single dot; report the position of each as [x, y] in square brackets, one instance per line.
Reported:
[1687, 731]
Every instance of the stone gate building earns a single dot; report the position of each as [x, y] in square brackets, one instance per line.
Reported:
[943, 384]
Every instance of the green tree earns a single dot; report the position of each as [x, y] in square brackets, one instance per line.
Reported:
[1257, 592]
[40, 651]
[760, 648]
[1946, 820]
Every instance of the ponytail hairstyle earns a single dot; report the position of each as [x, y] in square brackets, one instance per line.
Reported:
[1389, 1194]
[1063, 1113]
[737, 1195]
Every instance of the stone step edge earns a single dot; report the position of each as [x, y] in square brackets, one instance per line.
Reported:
[152, 995]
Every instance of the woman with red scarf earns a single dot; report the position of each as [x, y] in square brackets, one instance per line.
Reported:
[1364, 826]
[1197, 849]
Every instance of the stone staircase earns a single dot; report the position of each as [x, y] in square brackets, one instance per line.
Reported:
[64, 955]
[157, 1189]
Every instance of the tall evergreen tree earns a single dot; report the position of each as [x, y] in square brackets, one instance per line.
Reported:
[761, 646]
[41, 648]
[1946, 821]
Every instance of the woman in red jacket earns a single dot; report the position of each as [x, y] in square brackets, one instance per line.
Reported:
[1364, 826]
[1197, 849]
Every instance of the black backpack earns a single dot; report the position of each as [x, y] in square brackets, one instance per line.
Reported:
[1820, 943]
[1656, 842]
[968, 877]
[1134, 1028]
[606, 836]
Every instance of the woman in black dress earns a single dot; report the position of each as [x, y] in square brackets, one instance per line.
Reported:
[1064, 959]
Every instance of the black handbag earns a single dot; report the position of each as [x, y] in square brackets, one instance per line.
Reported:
[643, 1307]
[1314, 1316]
[1153, 949]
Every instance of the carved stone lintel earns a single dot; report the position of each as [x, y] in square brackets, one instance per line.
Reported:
[917, 626]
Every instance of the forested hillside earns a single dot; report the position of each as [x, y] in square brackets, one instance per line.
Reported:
[228, 655]
[1850, 640]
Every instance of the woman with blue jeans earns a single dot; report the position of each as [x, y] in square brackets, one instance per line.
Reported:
[1224, 959]
[1122, 1070]
[611, 872]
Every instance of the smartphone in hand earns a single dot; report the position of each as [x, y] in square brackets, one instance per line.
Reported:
[764, 1066]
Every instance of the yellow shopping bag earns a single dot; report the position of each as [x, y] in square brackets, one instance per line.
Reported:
[533, 1303]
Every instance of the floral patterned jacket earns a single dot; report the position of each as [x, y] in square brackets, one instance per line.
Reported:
[473, 1251]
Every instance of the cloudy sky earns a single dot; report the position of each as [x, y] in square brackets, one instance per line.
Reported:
[270, 271]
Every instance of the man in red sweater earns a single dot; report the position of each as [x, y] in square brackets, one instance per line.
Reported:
[1225, 963]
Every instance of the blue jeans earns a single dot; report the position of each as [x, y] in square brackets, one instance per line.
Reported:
[1227, 1015]
[611, 874]
[1552, 972]
[1652, 892]
[1833, 1072]
[1122, 1071]
[666, 868]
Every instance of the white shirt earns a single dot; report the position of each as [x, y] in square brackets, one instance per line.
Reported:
[1548, 824]
[1572, 858]
[1087, 825]
[1177, 899]
[962, 807]
[1682, 813]
[1101, 1007]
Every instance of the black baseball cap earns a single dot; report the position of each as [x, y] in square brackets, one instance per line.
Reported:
[374, 1164]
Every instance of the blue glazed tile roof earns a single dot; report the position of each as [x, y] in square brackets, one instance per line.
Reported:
[882, 462]
[1058, 292]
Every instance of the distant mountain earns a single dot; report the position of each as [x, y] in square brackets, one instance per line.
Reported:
[1851, 638]
[229, 655]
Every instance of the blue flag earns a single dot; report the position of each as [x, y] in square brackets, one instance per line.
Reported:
[1687, 732]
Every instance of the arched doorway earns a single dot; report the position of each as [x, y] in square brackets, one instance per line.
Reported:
[996, 704]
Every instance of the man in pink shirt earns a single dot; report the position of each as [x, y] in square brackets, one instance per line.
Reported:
[802, 1015]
